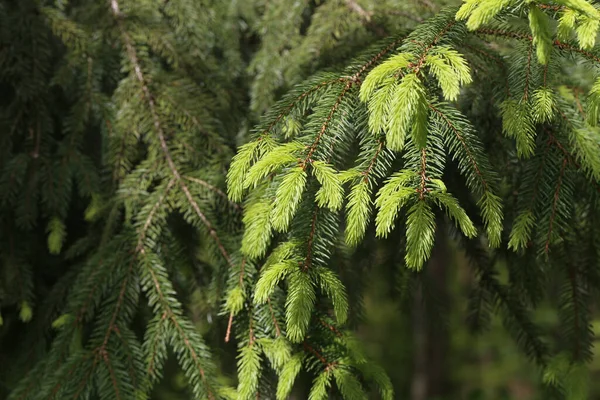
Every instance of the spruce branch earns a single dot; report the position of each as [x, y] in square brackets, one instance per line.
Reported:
[152, 213]
[213, 189]
[528, 71]
[468, 151]
[521, 36]
[334, 108]
[373, 161]
[555, 203]
[133, 58]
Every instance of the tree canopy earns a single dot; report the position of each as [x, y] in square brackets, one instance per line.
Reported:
[205, 190]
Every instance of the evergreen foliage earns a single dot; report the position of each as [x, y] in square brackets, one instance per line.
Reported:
[128, 185]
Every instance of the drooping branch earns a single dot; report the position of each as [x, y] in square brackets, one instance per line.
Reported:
[133, 59]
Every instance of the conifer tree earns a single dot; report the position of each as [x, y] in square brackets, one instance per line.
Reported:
[132, 183]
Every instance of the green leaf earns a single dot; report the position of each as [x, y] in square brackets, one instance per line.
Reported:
[586, 146]
[62, 320]
[440, 184]
[539, 23]
[93, 210]
[348, 175]
[420, 235]
[249, 367]
[272, 161]
[566, 24]
[299, 305]
[291, 127]
[381, 74]
[288, 375]
[573, 377]
[543, 105]
[450, 70]
[56, 235]
[456, 212]
[379, 106]
[466, 9]
[521, 231]
[287, 198]
[235, 300]
[335, 290]
[582, 6]
[481, 12]
[320, 386]
[377, 374]
[270, 278]
[25, 312]
[593, 104]
[577, 382]
[331, 193]
[556, 368]
[358, 211]
[408, 104]
[278, 351]
[240, 165]
[517, 123]
[349, 386]
[587, 31]
[390, 199]
[491, 210]
[257, 232]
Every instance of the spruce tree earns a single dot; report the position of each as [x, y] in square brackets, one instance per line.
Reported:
[261, 156]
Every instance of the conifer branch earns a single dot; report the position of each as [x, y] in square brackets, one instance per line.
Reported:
[311, 238]
[521, 36]
[193, 353]
[423, 174]
[299, 98]
[494, 59]
[335, 107]
[111, 371]
[328, 365]
[550, 7]
[567, 154]
[538, 175]
[375, 59]
[578, 103]
[126, 343]
[373, 161]
[277, 330]
[416, 66]
[555, 204]
[118, 305]
[330, 327]
[152, 213]
[241, 285]
[528, 72]
[153, 352]
[463, 143]
[91, 278]
[170, 315]
[86, 379]
[214, 189]
[133, 58]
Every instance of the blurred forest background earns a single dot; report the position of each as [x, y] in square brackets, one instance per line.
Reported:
[246, 54]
